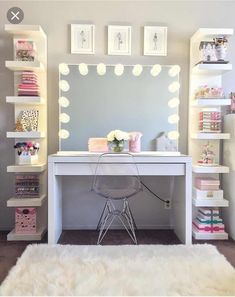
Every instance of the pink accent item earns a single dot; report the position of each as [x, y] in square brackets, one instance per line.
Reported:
[208, 228]
[98, 145]
[135, 142]
[25, 220]
[207, 183]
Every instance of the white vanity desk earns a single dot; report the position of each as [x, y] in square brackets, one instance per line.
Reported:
[149, 163]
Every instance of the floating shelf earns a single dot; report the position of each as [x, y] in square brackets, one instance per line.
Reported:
[210, 33]
[212, 69]
[210, 202]
[25, 30]
[211, 136]
[201, 102]
[23, 65]
[210, 169]
[210, 236]
[27, 168]
[25, 100]
[25, 134]
[12, 236]
[26, 202]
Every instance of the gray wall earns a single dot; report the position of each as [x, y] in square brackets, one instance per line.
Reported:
[183, 18]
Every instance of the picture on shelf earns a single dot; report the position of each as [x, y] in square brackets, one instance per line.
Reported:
[27, 121]
[24, 50]
[207, 156]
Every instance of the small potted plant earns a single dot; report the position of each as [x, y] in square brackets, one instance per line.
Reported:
[116, 140]
[27, 153]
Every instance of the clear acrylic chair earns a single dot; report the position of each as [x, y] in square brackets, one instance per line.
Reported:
[116, 179]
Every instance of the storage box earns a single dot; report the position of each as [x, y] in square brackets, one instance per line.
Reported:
[25, 220]
[207, 183]
[208, 228]
[208, 211]
[98, 145]
[205, 194]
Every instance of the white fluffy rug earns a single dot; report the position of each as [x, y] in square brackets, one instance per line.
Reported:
[120, 270]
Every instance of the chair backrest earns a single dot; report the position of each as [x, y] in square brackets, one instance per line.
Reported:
[116, 176]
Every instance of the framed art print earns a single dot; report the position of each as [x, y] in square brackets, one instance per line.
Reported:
[155, 41]
[119, 40]
[82, 39]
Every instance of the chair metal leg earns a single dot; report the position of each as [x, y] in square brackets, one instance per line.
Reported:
[99, 223]
[124, 216]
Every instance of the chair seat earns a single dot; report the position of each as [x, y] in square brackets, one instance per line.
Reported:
[116, 193]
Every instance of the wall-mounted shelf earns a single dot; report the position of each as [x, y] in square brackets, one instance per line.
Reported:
[210, 33]
[12, 236]
[210, 202]
[27, 168]
[37, 35]
[210, 136]
[26, 202]
[22, 66]
[25, 100]
[201, 102]
[33, 31]
[33, 135]
[211, 69]
[210, 236]
[210, 169]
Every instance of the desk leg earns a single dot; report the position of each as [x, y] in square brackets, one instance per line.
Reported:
[54, 205]
[182, 206]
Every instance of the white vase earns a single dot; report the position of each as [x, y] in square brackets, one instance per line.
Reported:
[27, 159]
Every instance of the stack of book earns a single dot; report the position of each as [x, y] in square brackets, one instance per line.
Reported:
[29, 84]
[27, 186]
[210, 121]
[208, 221]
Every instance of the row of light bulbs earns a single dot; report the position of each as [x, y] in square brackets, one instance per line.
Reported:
[172, 88]
[119, 69]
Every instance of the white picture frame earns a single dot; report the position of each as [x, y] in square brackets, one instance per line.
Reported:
[119, 40]
[82, 39]
[155, 41]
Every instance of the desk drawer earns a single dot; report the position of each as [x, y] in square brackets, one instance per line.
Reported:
[144, 169]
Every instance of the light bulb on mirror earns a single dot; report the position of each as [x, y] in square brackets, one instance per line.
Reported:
[174, 70]
[63, 102]
[119, 69]
[155, 70]
[63, 134]
[174, 86]
[174, 102]
[64, 69]
[173, 119]
[101, 69]
[173, 135]
[83, 69]
[64, 118]
[137, 70]
[64, 85]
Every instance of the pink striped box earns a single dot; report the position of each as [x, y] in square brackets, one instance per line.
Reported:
[98, 145]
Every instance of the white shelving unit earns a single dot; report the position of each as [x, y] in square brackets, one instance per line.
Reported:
[211, 75]
[35, 33]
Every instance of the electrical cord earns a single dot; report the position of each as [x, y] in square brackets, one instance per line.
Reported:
[165, 201]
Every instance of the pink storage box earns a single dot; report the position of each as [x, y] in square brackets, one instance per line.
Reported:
[208, 228]
[25, 220]
[207, 183]
[98, 145]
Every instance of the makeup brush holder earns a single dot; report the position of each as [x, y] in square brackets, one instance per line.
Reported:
[135, 142]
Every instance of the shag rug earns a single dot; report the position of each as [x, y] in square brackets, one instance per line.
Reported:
[120, 270]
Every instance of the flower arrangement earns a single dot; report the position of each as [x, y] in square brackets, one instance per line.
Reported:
[116, 139]
[207, 155]
[27, 148]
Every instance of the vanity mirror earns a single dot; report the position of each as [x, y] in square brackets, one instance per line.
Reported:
[95, 99]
